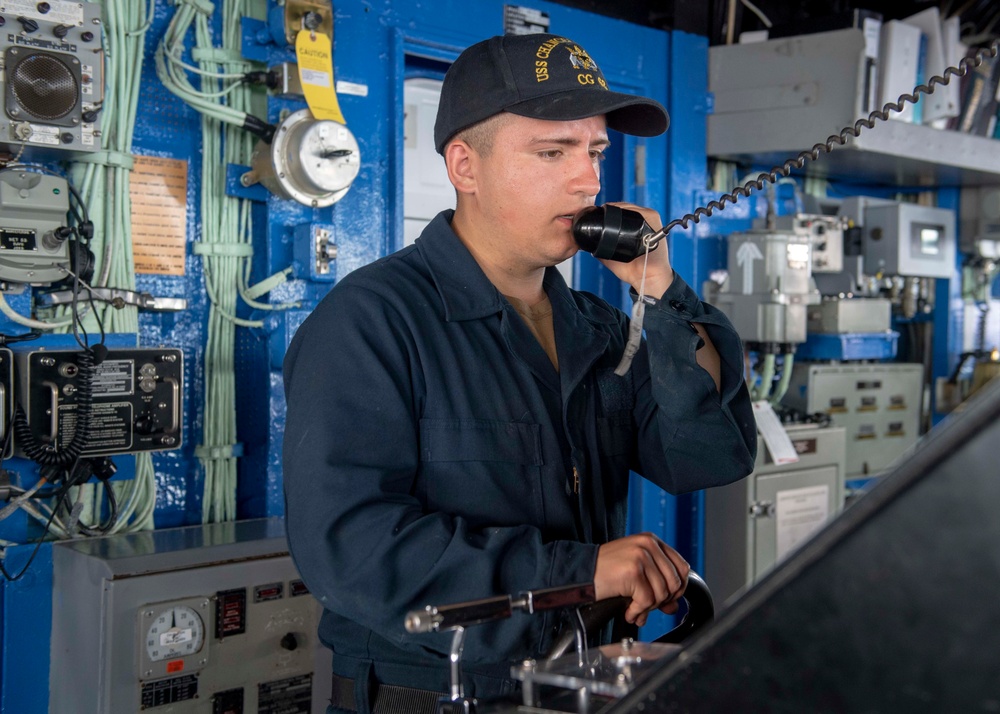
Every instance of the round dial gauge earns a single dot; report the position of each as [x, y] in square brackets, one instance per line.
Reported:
[328, 156]
[312, 161]
[175, 632]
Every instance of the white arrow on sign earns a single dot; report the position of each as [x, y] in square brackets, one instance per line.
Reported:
[746, 254]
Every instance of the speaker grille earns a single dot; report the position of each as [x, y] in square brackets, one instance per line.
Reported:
[44, 86]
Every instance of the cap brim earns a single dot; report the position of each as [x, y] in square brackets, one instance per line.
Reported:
[626, 113]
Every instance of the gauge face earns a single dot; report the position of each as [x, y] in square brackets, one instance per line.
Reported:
[330, 157]
[175, 632]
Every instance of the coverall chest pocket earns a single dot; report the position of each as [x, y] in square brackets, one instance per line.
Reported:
[488, 472]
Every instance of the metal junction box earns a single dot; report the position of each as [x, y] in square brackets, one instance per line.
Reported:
[877, 404]
[33, 207]
[136, 403]
[826, 235]
[196, 620]
[850, 315]
[752, 524]
[769, 286]
[910, 240]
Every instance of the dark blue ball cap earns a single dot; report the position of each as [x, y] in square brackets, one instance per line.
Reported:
[541, 76]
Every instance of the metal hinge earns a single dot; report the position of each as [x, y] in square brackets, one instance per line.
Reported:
[761, 509]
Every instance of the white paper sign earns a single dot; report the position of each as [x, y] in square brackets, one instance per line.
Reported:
[775, 437]
[800, 512]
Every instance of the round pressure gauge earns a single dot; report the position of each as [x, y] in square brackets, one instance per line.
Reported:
[177, 631]
[312, 161]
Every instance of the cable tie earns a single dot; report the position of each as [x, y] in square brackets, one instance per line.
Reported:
[202, 6]
[229, 250]
[218, 55]
[221, 451]
[114, 159]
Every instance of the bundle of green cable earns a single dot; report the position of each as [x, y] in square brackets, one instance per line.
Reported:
[225, 244]
[103, 181]
[209, 100]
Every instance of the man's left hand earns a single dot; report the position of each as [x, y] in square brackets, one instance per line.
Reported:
[659, 274]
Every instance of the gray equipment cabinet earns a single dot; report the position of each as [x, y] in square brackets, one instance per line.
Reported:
[878, 404]
[752, 524]
[197, 620]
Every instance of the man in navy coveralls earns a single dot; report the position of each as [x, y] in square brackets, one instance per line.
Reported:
[456, 429]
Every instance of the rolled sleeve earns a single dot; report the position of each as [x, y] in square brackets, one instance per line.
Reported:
[708, 436]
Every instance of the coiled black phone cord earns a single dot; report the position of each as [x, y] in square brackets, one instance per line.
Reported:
[48, 454]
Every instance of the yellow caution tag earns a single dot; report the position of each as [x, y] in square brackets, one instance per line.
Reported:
[315, 60]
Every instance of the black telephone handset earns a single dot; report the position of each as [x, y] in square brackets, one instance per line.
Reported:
[611, 232]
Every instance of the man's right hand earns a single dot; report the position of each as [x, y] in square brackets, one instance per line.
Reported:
[645, 569]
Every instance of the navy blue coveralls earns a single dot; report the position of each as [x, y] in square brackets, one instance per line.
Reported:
[433, 454]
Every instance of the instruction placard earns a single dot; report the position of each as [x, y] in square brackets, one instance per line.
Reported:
[800, 512]
[159, 214]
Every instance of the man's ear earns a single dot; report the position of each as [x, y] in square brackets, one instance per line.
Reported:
[462, 162]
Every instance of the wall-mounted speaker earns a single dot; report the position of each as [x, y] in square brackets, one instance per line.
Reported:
[42, 86]
[53, 67]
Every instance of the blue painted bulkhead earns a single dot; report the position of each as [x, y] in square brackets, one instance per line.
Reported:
[377, 45]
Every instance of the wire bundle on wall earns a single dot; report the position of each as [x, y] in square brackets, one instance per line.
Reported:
[228, 138]
[226, 221]
[172, 70]
[104, 182]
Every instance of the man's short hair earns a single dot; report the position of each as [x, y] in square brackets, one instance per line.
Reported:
[482, 135]
[541, 76]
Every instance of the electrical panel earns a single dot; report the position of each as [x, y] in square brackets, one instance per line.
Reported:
[769, 286]
[754, 523]
[910, 240]
[6, 400]
[193, 620]
[135, 400]
[878, 405]
[53, 66]
[850, 316]
[826, 234]
[979, 216]
[33, 209]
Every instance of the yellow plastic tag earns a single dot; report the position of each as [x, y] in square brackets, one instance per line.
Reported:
[316, 75]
